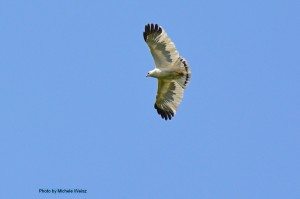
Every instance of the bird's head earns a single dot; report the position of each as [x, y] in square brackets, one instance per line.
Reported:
[151, 73]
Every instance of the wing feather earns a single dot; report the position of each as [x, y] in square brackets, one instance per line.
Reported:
[169, 95]
[161, 47]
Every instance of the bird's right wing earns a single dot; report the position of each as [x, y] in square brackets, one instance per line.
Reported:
[169, 95]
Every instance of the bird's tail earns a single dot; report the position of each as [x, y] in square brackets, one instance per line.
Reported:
[185, 71]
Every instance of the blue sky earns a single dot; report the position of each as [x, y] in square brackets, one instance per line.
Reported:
[77, 110]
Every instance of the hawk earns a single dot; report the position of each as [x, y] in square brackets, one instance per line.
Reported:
[171, 70]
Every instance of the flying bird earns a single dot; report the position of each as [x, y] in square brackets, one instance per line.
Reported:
[171, 70]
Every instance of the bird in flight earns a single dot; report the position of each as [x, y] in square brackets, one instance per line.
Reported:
[171, 70]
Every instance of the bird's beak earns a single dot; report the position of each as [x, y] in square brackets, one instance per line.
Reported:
[147, 75]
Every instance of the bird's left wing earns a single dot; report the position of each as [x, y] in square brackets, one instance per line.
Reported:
[161, 47]
[169, 95]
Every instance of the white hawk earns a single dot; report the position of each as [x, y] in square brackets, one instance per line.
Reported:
[171, 70]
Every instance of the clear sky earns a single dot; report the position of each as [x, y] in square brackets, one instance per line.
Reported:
[77, 110]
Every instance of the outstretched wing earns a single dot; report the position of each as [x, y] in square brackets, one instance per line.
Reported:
[161, 47]
[168, 98]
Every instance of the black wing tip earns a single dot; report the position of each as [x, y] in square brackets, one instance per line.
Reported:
[151, 28]
[167, 115]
